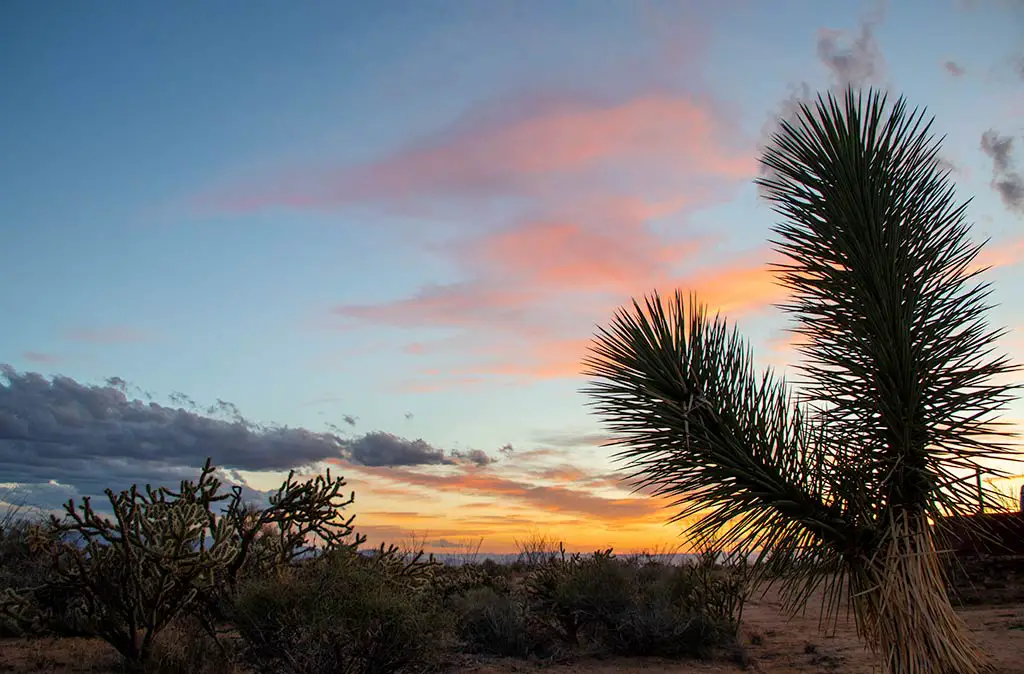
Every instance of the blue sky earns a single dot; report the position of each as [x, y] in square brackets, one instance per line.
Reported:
[414, 213]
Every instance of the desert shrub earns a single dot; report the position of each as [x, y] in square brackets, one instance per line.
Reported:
[717, 583]
[340, 613]
[654, 626]
[535, 550]
[493, 569]
[575, 593]
[492, 623]
[633, 607]
[674, 612]
[20, 568]
[450, 582]
[186, 646]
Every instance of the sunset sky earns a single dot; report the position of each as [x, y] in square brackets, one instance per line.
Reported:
[399, 222]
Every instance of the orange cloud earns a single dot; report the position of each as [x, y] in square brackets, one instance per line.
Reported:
[736, 288]
[1001, 254]
[488, 503]
[536, 336]
[483, 482]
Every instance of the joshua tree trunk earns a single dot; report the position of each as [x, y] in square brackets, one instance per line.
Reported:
[903, 610]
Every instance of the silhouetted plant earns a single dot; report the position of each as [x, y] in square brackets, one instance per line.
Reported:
[898, 401]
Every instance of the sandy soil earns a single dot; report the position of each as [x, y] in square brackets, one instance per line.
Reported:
[774, 645]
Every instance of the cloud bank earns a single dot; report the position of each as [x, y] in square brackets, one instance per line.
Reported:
[61, 437]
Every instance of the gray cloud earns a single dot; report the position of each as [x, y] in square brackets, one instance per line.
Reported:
[954, 68]
[349, 419]
[475, 456]
[1006, 181]
[857, 62]
[386, 449]
[999, 148]
[61, 438]
[61, 419]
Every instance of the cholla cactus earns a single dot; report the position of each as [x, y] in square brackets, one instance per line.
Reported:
[303, 517]
[412, 569]
[168, 552]
[451, 582]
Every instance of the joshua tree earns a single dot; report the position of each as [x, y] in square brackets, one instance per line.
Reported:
[899, 386]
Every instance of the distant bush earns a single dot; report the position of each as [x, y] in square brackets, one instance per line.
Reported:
[450, 582]
[535, 550]
[576, 594]
[666, 617]
[20, 569]
[634, 608]
[342, 613]
[490, 623]
[493, 569]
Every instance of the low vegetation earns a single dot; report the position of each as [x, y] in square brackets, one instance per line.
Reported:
[194, 579]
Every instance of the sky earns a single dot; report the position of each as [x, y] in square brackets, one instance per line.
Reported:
[379, 236]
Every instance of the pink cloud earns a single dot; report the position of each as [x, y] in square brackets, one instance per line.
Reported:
[954, 68]
[504, 344]
[536, 153]
[603, 245]
[40, 357]
[110, 335]
[562, 210]
[1002, 254]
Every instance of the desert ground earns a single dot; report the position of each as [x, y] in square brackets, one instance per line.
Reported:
[777, 645]
[773, 645]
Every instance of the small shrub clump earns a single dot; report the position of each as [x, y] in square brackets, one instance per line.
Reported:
[632, 608]
[491, 623]
[342, 613]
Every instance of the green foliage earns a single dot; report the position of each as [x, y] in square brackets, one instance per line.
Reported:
[341, 613]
